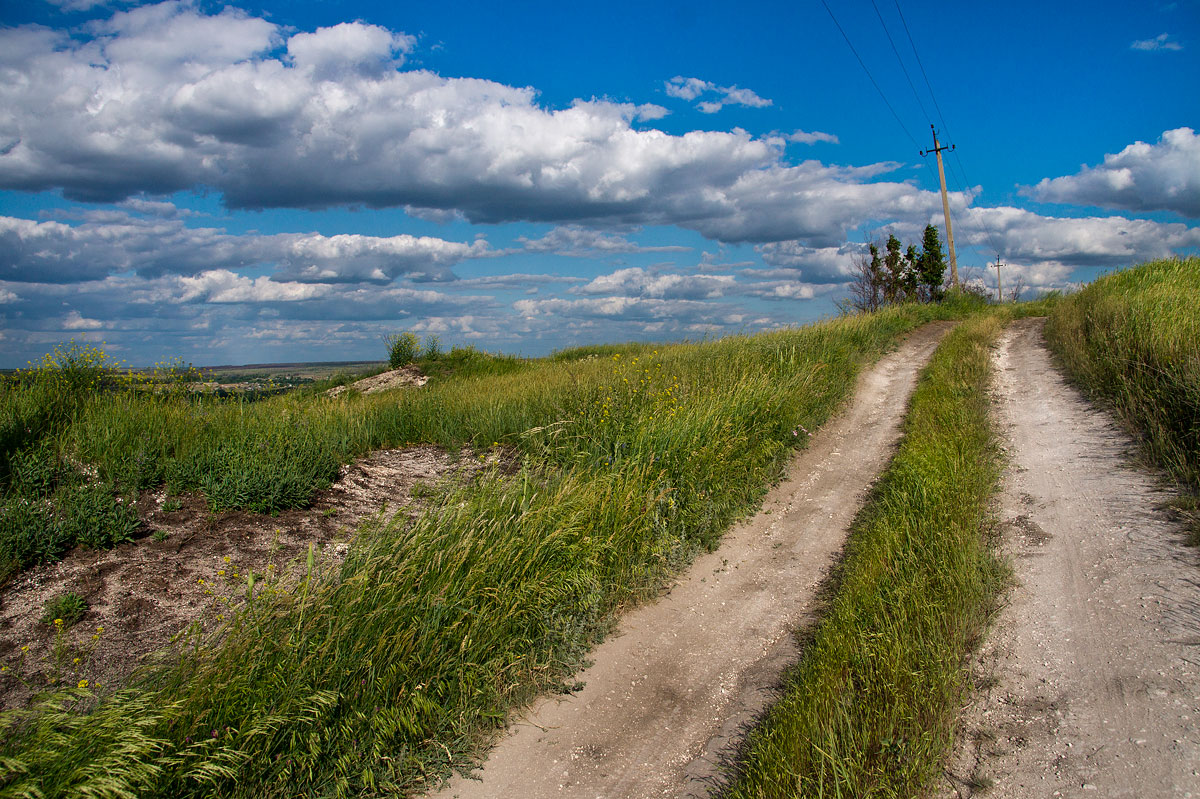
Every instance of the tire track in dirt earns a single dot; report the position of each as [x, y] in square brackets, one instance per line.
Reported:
[1094, 665]
[670, 694]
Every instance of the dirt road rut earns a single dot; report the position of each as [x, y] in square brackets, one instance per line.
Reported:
[670, 692]
[1095, 663]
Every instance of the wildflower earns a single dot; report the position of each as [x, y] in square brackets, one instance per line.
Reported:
[75, 661]
[226, 559]
[221, 573]
[25, 648]
[83, 683]
[99, 629]
[3, 669]
[58, 622]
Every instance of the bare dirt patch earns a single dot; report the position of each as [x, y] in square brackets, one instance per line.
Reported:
[143, 593]
[669, 696]
[405, 377]
[1089, 676]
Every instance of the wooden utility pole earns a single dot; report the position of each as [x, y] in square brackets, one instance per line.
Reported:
[937, 149]
[999, 293]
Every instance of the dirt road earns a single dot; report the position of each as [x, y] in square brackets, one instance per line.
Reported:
[1094, 666]
[670, 692]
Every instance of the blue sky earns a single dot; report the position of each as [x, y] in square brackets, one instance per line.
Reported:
[286, 182]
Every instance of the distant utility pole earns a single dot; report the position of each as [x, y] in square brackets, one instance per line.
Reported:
[999, 294]
[937, 149]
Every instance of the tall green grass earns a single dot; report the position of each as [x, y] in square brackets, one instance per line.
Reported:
[1133, 339]
[869, 710]
[376, 675]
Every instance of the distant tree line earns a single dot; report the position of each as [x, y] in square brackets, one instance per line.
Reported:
[899, 274]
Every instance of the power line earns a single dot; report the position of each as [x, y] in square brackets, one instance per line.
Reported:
[900, 61]
[933, 96]
[911, 85]
[862, 64]
[904, 69]
[925, 74]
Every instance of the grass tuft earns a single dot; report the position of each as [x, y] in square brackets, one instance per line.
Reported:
[66, 608]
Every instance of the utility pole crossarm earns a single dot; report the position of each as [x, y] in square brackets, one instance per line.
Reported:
[937, 150]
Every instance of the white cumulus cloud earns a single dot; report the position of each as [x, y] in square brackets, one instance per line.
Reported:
[1164, 176]
[166, 98]
[638, 282]
[804, 137]
[1089, 241]
[693, 88]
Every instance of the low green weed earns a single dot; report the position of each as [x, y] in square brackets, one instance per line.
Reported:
[69, 607]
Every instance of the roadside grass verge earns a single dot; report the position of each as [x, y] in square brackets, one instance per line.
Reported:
[1132, 339]
[377, 675]
[869, 710]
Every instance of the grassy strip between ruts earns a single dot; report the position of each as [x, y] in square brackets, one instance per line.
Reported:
[373, 676]
[869, 710]
[1133, 339]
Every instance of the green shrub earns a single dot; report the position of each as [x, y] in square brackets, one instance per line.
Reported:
[402, 348]
[433, 348]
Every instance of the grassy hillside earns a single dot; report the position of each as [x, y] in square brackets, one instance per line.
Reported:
[377, 674]
[1132, 338]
